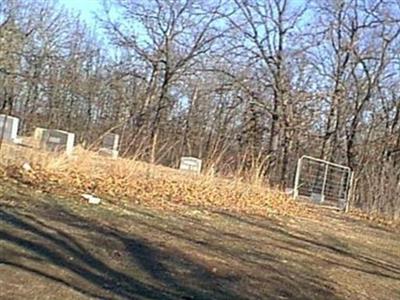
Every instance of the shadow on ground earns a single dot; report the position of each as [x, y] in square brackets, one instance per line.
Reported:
[100, 254]
[37, 242]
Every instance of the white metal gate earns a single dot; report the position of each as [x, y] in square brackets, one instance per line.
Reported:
[323, 182]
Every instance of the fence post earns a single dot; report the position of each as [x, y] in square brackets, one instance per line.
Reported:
[297, 179]
[349, 193]
[324, 183]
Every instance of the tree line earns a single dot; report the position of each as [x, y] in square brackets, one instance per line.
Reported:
[249, 86]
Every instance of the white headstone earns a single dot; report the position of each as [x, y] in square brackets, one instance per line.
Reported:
[9, 127]
[58, 140]
[190, 164]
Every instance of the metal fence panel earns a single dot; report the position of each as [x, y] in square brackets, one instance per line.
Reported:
[323, 182]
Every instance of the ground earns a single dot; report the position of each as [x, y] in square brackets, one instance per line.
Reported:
[60, 247]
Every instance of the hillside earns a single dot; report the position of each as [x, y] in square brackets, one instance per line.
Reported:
[257, 102]
[247, 86]
[54, 245]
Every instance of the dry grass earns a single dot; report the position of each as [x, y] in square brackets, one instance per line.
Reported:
[129, 181]
[138, 182]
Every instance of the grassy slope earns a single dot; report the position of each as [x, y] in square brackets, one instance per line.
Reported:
[54, 247]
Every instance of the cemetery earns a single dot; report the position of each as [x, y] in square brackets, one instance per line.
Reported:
[145, 217]
[321, 182]
[199, 150]
[97, 205]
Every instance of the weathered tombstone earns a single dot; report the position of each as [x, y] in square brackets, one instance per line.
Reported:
[190, 164]
[9, 128]
[110, 141]
[110, 145]
[108, 152]
[58, 140]
[38, 133]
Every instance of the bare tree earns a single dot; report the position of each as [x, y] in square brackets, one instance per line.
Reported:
[245, 85]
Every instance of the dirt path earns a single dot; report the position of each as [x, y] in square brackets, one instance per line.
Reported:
[62, 248]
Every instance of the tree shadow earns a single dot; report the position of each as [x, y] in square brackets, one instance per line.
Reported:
[95, 277]
[274, 278]
[296, 241]
[107, 260]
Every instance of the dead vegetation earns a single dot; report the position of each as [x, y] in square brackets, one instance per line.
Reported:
[132, 181]
[138, 182]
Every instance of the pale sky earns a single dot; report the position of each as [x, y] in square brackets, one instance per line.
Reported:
[85, 7]
[88, 7]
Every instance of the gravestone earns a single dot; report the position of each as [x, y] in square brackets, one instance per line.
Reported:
[38, 133]
[190, 164]
[9, 128]
[108, 152]
[58, 141]
[110, 145]
[110, 141]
